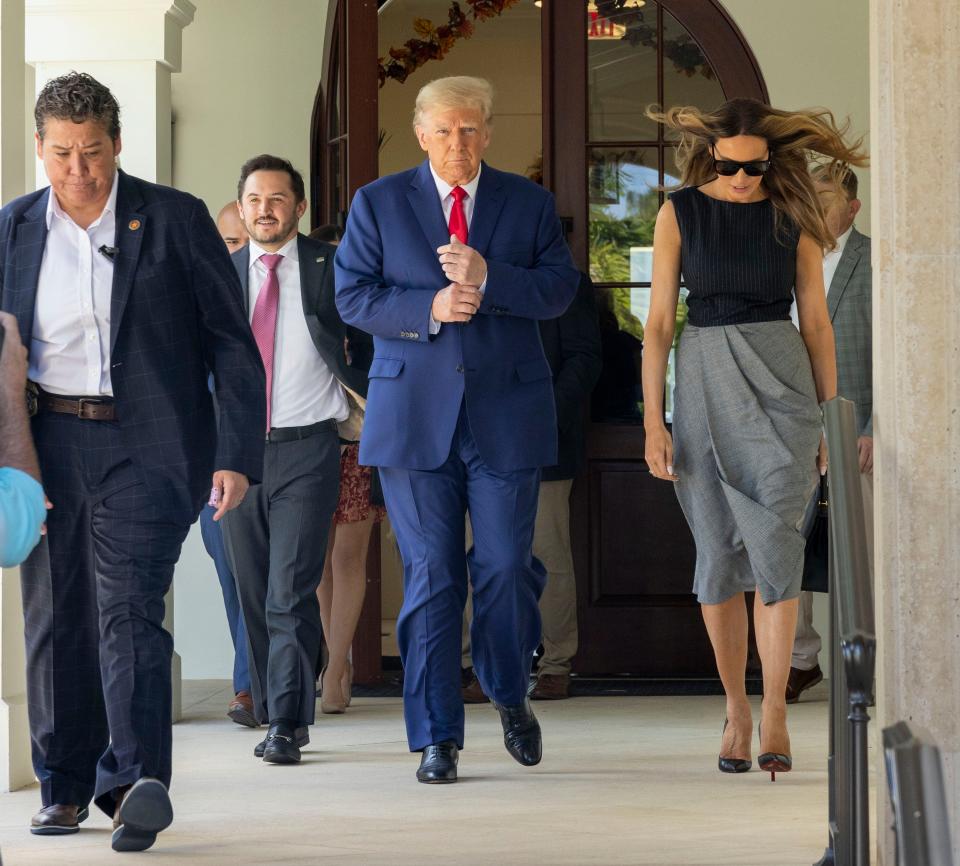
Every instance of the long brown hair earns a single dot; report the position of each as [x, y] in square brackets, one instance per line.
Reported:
[794, 138]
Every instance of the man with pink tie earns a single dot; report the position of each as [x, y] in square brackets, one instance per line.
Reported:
[276, 541]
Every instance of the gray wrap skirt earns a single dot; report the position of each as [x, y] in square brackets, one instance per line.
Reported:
[746, 430]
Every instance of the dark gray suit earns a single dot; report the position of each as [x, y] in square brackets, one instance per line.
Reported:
[277, 538]
[850, 303]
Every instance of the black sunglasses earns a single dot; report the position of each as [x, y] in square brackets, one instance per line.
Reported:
[728, 168]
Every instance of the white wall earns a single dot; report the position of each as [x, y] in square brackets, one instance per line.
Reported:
[814, 53]
[250, 75]
[249, 79]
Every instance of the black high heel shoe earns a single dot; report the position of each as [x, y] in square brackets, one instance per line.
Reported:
[774, 762]
[732, 765]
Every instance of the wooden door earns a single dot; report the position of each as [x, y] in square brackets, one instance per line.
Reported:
[343, 157]
[605, 61]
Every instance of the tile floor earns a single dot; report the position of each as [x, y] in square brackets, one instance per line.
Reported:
[629, 781]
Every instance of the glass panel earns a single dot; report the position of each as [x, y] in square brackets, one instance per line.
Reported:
[671, 177]
[622, 190]
[622, 69]
[688, 78]
[618, 395]
[334, 184]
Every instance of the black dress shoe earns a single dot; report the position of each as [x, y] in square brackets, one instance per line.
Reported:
[280, 746]
[799, 681]
[438, 763]
[58, 820]
[302, 736]
[521, 733]
[143, 812]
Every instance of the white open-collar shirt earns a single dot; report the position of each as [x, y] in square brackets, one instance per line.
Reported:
[305, 391]
[831, 261]
[70, 341]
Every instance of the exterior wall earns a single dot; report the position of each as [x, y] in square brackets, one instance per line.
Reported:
[249, 79]
[815, 53]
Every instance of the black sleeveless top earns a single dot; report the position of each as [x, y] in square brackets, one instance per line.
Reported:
[735, 268]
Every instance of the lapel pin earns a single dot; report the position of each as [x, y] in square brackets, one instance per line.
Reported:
[133, 225]
[321, 259]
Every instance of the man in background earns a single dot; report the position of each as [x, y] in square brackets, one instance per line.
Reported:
[240, 708]
[847, 277]
[231, 227]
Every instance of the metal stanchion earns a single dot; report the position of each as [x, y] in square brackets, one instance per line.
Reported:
[915, 779]
[853, 644]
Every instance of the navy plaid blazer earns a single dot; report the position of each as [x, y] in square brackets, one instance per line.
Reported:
[175, 315]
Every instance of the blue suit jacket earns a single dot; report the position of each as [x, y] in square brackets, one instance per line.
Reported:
[175, 314]
[387, 274]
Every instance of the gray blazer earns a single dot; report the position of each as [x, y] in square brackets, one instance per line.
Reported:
[850, 302]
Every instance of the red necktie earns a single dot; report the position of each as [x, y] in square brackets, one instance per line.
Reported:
[458, 219]
[264, 321]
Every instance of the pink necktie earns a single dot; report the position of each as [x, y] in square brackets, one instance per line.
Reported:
[458, 219]
[264, 321]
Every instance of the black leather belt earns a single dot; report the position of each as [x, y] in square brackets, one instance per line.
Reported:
[87, 408]
[291, 434]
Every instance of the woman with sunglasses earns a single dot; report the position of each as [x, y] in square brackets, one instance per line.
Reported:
[746, 229]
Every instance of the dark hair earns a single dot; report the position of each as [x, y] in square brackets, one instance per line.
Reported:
[329, 233]
[266, 162]
[78, 97]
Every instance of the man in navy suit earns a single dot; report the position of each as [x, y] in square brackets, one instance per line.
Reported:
[125, 296]
[450, 266]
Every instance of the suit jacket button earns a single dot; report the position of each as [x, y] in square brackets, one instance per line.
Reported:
[459, 368]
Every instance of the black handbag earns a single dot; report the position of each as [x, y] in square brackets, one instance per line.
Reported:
[816, 559]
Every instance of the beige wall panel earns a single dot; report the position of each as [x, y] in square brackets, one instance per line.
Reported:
[249, 79]
[815, 53]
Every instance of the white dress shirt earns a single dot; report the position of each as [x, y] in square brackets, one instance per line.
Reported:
[304, 389]
[70, 342]
[446, 201]
[830, 262]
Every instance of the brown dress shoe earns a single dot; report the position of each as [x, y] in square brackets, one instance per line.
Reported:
[58, 820]
[470, 688]
[240, 710]
[551, 687]
[799, 681]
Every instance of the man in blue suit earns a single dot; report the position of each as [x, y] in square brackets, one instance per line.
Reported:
[125, 295]
[450, 266]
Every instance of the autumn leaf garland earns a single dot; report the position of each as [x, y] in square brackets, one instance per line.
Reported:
[434, 43]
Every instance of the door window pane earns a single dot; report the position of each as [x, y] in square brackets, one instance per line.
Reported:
[623, 197]
[622, 70]
[618, 395]
[688, 78]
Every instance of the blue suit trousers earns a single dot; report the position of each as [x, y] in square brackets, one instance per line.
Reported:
[427, 509]
[212, 535]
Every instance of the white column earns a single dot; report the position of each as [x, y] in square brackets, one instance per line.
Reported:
[132, 47]
[915, 116]
[15, 769]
